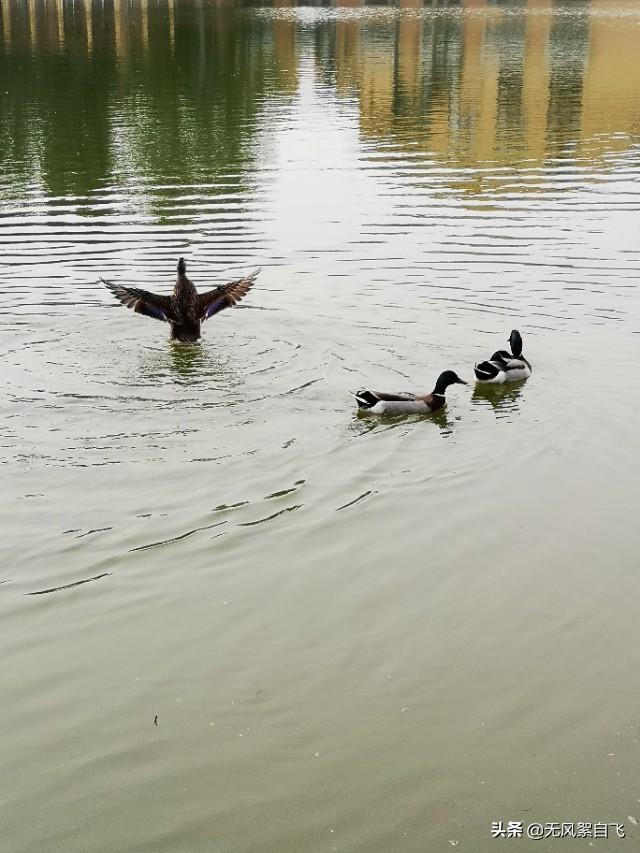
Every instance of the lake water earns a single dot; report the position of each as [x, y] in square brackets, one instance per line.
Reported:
[353, 634]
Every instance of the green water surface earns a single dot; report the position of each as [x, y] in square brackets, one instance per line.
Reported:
[234, 615]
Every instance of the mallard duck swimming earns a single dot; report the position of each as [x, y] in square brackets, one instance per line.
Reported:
[185, 309]
[516, 365]
[505, 366]
[491, 371]
[379, 403]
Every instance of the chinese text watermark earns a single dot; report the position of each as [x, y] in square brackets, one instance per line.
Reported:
[536, 831]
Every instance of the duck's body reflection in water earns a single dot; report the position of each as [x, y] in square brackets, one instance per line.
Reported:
[503, 399]
[199, 364]
[196, 364]
[188, 361]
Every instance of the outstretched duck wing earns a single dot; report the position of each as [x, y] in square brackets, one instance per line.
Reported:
[225, 296]
[143, 302]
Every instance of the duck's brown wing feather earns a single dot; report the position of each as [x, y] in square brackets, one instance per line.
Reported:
[143, 302]
[225, 296]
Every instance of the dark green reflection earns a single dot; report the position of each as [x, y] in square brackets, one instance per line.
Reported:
[163, 89]
[171, 90]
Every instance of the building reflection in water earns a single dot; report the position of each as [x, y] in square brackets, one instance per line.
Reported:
[467, 82]
[474, 84]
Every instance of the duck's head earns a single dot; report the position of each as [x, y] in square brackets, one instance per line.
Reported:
[515, 342]
[449, 377]
[501, 357]
[182, 267]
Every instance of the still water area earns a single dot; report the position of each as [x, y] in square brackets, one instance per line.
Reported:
[235, 614]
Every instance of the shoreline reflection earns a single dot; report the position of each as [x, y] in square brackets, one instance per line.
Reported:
[94, 93]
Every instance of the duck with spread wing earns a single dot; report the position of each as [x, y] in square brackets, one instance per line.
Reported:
[185, 309]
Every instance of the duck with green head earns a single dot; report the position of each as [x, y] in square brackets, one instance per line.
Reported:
[383, 403]
[505, 366]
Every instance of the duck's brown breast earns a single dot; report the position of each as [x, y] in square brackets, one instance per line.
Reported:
[184, 300]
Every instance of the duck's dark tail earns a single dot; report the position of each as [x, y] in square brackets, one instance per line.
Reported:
[365, 399]
[486, 371]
